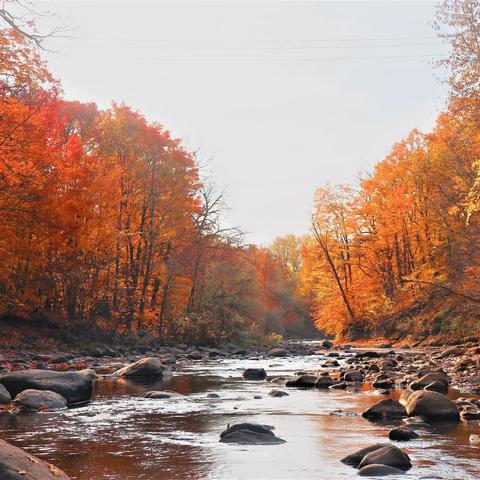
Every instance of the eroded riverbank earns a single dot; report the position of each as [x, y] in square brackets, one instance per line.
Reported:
[120, 435]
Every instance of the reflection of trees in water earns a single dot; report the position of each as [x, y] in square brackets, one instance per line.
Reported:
[184, 384]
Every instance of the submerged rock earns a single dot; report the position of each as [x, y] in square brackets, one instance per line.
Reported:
[254, 427]
[378, 470]
[161, 394]
[16, 464]
[255, 374]
[213, 395]
[250, 434]
[148, 367]
[75, 387]
[402, 434]
[385, 408]
[40, 400]
[277, 393]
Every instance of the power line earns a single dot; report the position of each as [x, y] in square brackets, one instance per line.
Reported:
[259, 41]
[270, 60]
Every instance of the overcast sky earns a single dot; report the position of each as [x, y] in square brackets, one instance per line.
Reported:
[277, 97]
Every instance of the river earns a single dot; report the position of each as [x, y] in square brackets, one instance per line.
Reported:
[119, 436]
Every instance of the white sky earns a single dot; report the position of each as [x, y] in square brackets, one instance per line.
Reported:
[278, 97]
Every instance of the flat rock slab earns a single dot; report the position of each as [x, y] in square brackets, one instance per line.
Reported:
[75, 387]
[16, 464]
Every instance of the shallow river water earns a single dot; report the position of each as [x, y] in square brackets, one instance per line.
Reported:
[119, 436]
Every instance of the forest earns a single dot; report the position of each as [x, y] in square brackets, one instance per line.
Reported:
[107, 222]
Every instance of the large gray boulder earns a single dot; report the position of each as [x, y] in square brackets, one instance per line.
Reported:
[432, 405]
[389, 455]
[148, 367]
[40, 400]
[75, 387]
[354, 459]
[430, 378]
[16, 464]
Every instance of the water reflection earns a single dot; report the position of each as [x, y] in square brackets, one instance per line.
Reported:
[121, 436]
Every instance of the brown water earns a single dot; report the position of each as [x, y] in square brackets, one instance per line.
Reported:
[119, 436]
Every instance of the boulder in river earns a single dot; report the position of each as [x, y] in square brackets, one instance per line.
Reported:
[431, 405]
[388, 408]
[353, 376]
[368, 354]
[161, 394]
[470, 413]
[17, 464]
[278, 352]
[402, 434]
[277, 393]
[250, 434]
[428, 379]
[452, 352]
[5, 397]
[437, 386]
[75, 387]
[325, 382]
[383, 382]
[378, 470]
[389, 455]
[303, 381]
[195, 355]
[327, 344]
[40, 400]
[255, 374]
[149, 367]
[354, 459]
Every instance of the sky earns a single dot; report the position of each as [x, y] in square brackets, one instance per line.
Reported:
[278, 98]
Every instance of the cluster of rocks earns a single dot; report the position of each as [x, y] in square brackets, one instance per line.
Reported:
[378, 460]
